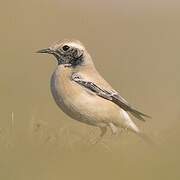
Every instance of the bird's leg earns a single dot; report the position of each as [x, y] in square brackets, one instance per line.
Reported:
[103, 132]
[114, 129]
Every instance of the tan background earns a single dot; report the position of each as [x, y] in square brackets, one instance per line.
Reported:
[135, 45]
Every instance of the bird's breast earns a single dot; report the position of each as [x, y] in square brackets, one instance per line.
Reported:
[68, 95]
[77, 101]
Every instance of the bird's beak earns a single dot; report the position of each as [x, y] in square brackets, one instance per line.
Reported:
[46, 50]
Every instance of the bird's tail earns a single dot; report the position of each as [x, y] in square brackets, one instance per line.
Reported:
[132, 127]
[146, 139]
[139, 115]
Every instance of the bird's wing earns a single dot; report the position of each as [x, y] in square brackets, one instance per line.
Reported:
[111, 95]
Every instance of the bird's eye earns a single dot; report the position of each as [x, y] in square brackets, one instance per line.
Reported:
[65, 47]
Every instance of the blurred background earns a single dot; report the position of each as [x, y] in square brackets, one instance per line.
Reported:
[135, 46]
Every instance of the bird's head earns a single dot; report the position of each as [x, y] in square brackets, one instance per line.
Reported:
[70, 53]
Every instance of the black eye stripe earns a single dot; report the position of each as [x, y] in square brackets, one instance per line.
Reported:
[65, 47]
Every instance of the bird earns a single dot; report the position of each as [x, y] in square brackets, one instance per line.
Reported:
[83, 94]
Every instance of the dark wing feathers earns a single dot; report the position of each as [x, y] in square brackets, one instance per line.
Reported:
[117, 99]
[109, 95]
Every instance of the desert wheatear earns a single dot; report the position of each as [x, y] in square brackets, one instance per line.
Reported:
[81, 92]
